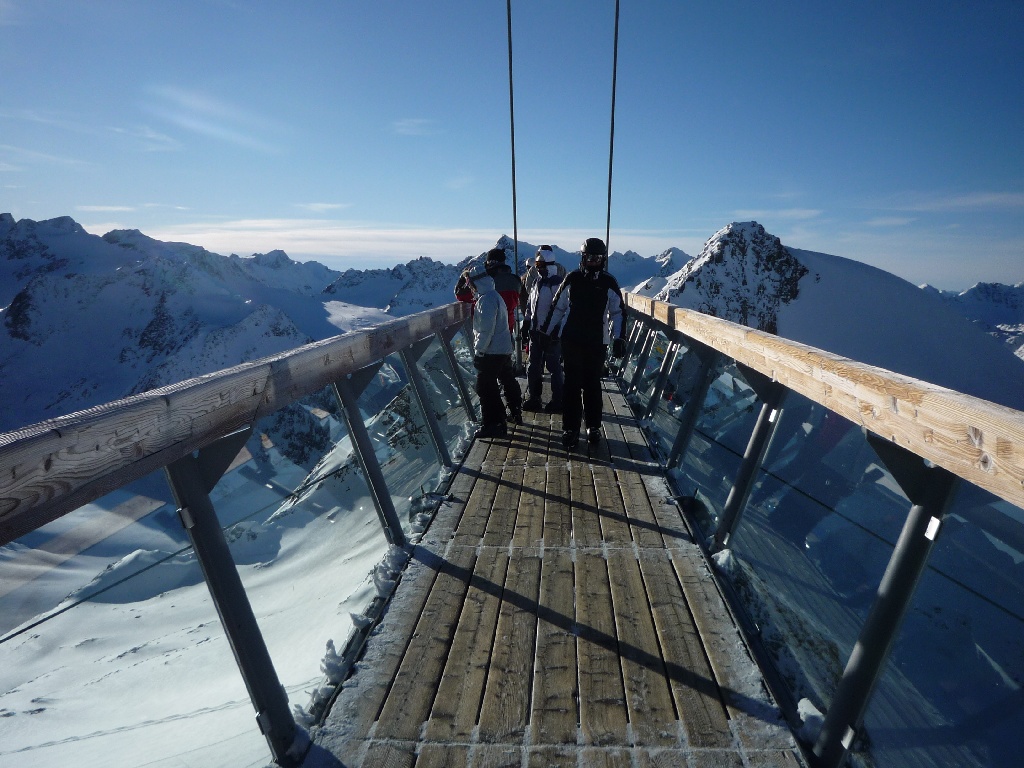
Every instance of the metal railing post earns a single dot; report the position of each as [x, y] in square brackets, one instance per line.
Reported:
[771, 395]
[191, 479]
[467, 402]
[347, 392]
[930, 490]
[410, 355]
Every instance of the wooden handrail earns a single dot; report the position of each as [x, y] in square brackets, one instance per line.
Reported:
[51, 468]
[980, 441]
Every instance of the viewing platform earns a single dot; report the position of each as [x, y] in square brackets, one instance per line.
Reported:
[557, 612]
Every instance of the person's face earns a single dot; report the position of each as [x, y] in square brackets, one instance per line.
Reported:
[542, 268]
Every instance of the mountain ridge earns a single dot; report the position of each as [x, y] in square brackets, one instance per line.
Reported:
[115, 315]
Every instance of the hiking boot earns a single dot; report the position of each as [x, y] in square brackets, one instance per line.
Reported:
[570, 439]
[594, 435]
[533, 404]
[553, 407]
[492, 430]
[515, 416]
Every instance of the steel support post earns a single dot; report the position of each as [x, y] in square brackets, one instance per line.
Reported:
[467, 401]
[347, 392]
[771, 395]
[191, 479]
[930, 490]
[410, 356]
[691, 411]
[659, 385]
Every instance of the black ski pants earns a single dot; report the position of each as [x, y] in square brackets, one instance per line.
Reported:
[495, 374]
[584, 368]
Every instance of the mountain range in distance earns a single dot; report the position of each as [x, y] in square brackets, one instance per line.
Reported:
[89, 319]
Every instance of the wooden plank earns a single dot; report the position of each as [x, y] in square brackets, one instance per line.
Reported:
[645, 528]
[449, 514]
[442, 755]
[529, 528]
[455, 710]
[555, 689]
[606, 758]
[501, 524]
[471, 527]
[506, 705]
[412, 693]
[652, 712]
[557, 507]
[756, 719]
[690, 675]
[602, 696]
[495, 756]
[586, 516]
[613, 519]
[390, 756]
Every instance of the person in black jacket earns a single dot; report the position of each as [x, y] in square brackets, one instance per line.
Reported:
[588, 308]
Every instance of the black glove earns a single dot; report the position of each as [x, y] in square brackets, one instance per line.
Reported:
[539, 339]
[619, 348]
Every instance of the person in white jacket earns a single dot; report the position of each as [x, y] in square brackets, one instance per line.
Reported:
[545, 348]
[493, 348]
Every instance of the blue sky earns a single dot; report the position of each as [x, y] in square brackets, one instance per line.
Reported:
[365, 134]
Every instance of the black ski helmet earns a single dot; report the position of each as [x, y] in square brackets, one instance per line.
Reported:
[594, 254]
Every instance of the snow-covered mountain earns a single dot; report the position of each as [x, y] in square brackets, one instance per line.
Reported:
[747, 275]
[997, 308]
[106, 317]
[111, 316]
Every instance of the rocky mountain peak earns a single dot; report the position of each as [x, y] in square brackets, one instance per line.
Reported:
[742, 274]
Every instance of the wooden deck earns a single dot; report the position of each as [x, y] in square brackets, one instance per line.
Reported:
[557, 612]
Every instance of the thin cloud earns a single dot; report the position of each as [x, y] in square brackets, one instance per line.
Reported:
[460, 182]
[413, 126]
[972, 201]
[322, 207]
[31, 156]
[149, 139]
[332, 242]
[790, 214]
[104, 208]
[890, 221]
[207, 116]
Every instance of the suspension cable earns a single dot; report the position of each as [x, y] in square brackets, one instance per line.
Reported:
[515, 225]
[512, 127]
[611, 139]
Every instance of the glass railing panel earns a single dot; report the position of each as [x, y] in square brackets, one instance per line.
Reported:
[727, 418]
[305, 528]
[812, 544]
[666, 420]
[628, 365]
[402, 442]
[462, 346]
[956, 671]
[445, 401]
[111, 652]
[648, 377]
